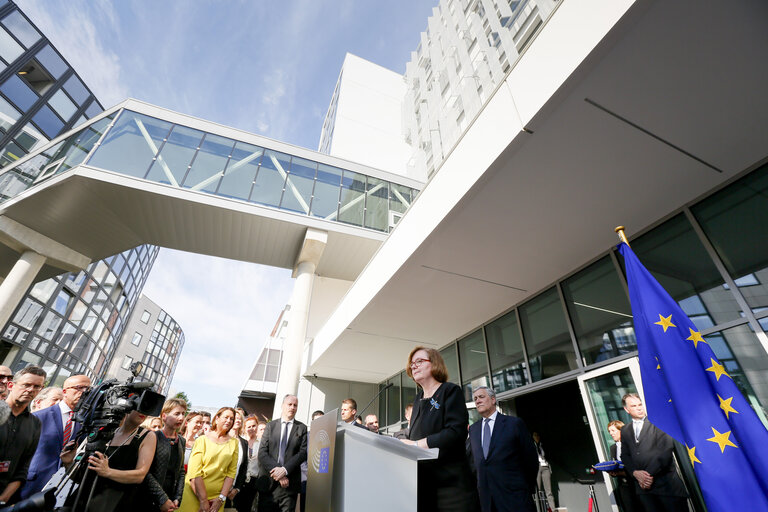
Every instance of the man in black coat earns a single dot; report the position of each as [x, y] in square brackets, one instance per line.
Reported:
[505, 457]
[646, 453]
[282, 450]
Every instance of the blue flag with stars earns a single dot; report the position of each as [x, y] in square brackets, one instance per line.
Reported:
[691, 397]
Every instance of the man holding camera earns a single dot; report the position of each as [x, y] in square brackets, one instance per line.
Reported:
[19, 432]
[58, 429]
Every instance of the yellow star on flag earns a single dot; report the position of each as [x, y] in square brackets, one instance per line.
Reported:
[717, 369]
[722, 439]
[658, 365]
[695, 337]
[692, 455]
[665, 322]
[725, 405]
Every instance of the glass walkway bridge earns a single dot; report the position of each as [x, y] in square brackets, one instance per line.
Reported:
[134, 172]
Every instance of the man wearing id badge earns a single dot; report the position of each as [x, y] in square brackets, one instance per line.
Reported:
[20, 432]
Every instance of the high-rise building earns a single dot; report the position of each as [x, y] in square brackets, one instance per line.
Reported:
[70, 323]
[153, 338]
[466, 51]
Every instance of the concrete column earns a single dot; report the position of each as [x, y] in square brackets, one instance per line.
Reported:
[17, 282]
[293, 348]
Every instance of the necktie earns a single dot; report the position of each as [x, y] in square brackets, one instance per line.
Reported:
[486, 436]
[638, 427]
[283, 443]
[67, 429]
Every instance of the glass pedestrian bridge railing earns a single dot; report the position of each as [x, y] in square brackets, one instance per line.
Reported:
[161, 151]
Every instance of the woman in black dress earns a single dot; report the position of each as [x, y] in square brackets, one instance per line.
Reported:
[439, 420]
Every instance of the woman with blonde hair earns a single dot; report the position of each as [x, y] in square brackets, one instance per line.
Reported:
[212, 466]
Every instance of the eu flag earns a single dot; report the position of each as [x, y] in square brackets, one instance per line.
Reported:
[691, 397]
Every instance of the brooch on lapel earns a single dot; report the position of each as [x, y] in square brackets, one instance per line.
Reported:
[434, 403]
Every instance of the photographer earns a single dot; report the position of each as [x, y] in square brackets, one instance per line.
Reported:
[120, 471]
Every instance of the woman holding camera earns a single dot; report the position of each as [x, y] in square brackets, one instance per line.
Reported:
[212, 466]
[120, 470]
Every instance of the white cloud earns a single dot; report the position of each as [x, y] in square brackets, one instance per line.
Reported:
[72, 28]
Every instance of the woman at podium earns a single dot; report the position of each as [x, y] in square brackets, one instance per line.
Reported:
[439, 420]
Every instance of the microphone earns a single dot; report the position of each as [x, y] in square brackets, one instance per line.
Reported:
[377, 396]
[5, 412]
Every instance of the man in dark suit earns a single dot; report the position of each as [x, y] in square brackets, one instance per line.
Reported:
[58, 429]
[282, 450]
[646, 453]
[505, 457]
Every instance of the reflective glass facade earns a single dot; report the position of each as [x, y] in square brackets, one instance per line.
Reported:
[153, 149]
[73, 323]
[711, 257]
[41, 96]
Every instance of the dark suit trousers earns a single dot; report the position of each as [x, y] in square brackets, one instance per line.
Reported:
[285, 499]
[655, 502]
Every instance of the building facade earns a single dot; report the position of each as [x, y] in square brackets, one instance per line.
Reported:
[466, 51]
[153, 338]
[71, 323]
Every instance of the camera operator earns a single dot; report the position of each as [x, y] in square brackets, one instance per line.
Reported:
[120, 471]
[20, 432]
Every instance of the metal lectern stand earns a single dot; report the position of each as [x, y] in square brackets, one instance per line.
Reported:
[370, 471]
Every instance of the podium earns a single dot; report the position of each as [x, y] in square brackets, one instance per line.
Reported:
[360, 469]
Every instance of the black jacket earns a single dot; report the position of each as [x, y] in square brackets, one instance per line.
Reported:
[652, 453]
[153, 482]
[295, 452]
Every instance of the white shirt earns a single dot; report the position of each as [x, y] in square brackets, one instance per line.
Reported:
[637, 427]
[288, 432]
[65, 410]
[618, 450]
[491, 420]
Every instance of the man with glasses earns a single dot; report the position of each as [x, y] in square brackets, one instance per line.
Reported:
[6, 376]
[20, 433]
[58, 429]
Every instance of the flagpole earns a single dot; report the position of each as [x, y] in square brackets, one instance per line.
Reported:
[620, 231]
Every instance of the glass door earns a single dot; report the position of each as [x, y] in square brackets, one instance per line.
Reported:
[601, 391]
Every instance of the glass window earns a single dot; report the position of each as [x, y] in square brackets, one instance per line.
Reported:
[268, 187]
[127, 362]
[240, 172]
[209, 164]
[735, 221]
[175, 157]
[673, 254]
[62, 302]
[76, 89]
[61, 103]
[48, 122]
[352, 202]
[54, 64]
[451, 362]
[145, 316]
[28, 313]
[10, 50]
[93, 109]
[325, 199]
[131, 144]
[18, 92]
[29, 139]
[78, 312]
[399, 198]
[377, 204]
[21, 28]
[298, 186]
[8, 115]
[409, 392]
[473, 360]
[739, 350]
[600, 312]
[50, 324]
[10, 186]
[43, 290]
[393, 402]
[505, 347]
[550, 350]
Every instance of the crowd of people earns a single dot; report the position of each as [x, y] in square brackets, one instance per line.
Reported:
[194, 462]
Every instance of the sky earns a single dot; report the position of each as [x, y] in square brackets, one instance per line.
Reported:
[268, 67]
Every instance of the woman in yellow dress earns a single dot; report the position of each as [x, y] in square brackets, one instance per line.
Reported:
[212, 466]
